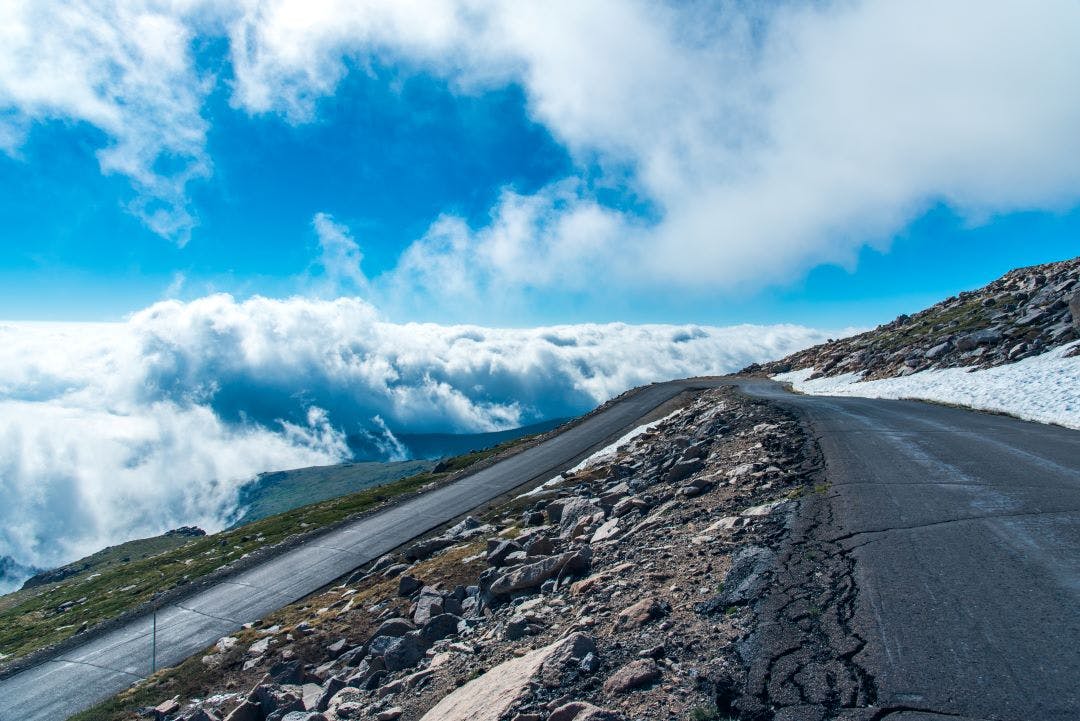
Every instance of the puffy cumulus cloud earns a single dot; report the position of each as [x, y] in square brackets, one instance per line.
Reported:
[764, 138]
[124, 68]
[768, 138]
[114, 431]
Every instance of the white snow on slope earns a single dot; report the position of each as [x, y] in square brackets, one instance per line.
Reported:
[1044, 388]
[604, 454]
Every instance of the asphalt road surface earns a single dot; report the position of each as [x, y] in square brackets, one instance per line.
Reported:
[109, 663]
[965, 528]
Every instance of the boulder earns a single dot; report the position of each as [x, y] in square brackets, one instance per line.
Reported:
[165, 708]
[404, 652]
[202, 714]
[394, 627]
[533, 575]
[937, 351]
[631, 676]
[273, 698]
[573, 512]
[429, 605]
[248, 710]
[497, 555]
[491, 696]
[439, 627]
[684, 469]
[516, 628]
[408, 585]
[329, 689]
[422, 550]
[1074, 310]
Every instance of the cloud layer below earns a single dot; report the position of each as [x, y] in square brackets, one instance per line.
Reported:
[116, 431]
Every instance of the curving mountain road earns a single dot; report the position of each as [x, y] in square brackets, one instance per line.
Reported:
[109, 663]
[964, 528]
[965, 531]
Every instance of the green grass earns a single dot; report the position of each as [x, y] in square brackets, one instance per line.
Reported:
[124, 577]
[278, 492]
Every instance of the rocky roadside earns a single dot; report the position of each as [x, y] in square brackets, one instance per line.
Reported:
[669, 578]
[1024, 313]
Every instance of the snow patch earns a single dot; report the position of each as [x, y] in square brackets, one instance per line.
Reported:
[1043, 388]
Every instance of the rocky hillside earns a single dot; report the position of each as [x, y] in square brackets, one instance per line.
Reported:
[1026, 312]
[623, 590]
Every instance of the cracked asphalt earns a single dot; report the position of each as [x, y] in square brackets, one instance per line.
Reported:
[936, 576]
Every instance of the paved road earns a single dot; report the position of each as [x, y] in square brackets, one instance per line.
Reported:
[112, 662]
[966, 534]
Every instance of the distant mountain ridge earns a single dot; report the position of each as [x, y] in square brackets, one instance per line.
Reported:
[1025, 313]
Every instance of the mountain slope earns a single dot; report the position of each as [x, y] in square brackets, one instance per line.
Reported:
[1008, 347]
[1024, 313]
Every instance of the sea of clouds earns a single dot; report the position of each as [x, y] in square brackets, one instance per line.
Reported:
[122, 430]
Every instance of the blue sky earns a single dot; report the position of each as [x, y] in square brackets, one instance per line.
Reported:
[387, 143]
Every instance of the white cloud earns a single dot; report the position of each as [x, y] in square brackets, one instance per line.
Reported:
[124, 68]
[114, 431]
[767, 138]
[339, 258]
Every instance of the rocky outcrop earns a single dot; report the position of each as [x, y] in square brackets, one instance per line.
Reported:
[1024, 313]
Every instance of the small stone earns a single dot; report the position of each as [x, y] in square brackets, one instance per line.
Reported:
[631, 676]
[639, 614]
[390, 714]
[582, 711]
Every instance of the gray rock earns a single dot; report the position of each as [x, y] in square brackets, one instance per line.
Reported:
[380, 644]
[329, 688]
[273, 698]
[516, 628]
[382, 563]
[439, 627]
[573, 511]
[497, 555]
[408, 585]
[404, 652]
[422, 550]
[395, 570]
[540, 546]
[429, 605]
[462, 528]
[1074, 311]
[248, 710]
[394, 627]
[684, 469]
[566, 658]
[937, 351]
[534, 574]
